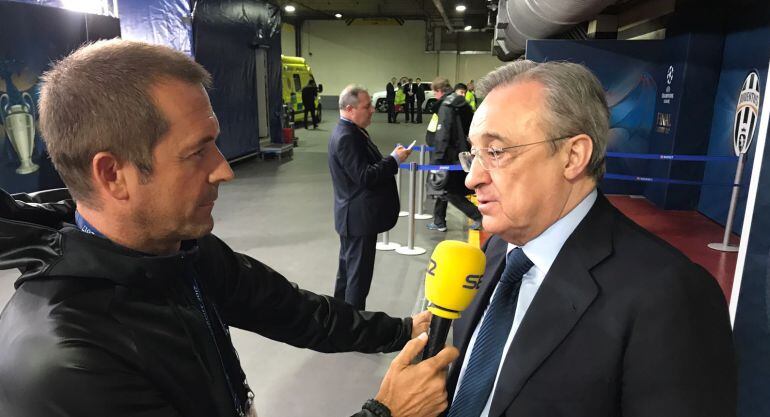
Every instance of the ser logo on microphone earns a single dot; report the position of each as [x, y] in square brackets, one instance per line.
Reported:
[473, 282]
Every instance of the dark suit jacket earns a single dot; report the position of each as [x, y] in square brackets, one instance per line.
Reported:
[419, 92]
[390, 91]
[409, 88]
[623, 325]
[365, 196]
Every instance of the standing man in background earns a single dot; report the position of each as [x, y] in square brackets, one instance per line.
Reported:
[420, 95]
[448, 134]
[365, 197]
[390, 98]
[309, 94]
[470, 95]
[410, 97]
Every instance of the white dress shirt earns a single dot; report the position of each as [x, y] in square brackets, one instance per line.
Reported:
[542, 251]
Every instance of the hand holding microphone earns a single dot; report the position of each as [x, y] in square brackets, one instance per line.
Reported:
[453, 278]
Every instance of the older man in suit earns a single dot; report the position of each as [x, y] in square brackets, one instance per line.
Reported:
[581, 312]
[365, 196]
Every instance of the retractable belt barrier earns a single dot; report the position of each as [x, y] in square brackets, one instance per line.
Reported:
[417, 183]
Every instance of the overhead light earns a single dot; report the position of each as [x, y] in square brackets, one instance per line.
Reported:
[289, 8]
[460, 7]
[338, 15]
[469, 27]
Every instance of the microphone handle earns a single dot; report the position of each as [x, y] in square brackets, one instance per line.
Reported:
[439, 329]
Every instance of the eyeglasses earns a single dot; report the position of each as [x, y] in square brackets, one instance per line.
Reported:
[489, 158]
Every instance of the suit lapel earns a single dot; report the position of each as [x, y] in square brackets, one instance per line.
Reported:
[566, 293]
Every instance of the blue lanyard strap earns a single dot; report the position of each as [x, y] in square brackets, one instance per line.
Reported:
[202, 308]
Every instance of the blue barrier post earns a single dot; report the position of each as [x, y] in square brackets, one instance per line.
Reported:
[401, 213]
[421, 192]
[410, 249]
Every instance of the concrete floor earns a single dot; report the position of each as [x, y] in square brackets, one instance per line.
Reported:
[280, 212]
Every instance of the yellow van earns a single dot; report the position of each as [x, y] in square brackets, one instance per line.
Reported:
[295, 76]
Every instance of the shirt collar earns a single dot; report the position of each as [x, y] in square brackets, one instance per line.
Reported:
[542, 250]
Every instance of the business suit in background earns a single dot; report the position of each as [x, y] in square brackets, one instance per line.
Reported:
[606, 320]
[366, 201]
[419, 93]
[390, 99]
[409, 104]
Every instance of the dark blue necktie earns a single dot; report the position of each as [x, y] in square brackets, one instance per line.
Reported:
[479, 377]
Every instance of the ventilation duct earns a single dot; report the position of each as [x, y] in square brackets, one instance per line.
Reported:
[519, 20]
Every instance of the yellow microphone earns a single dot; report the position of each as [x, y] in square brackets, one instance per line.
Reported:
[452, 279]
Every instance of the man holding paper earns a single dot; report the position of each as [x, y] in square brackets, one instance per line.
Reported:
[365, 195]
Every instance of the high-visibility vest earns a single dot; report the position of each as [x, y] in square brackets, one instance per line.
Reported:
[471, 99]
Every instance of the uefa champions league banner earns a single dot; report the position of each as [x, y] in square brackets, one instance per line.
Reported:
[31, 37]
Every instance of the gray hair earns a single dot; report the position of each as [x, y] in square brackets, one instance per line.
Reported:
[575, 102]
[349, 95]
[97, 99]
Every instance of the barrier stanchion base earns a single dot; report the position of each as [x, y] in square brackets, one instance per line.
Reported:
[423, 216]
[404, 250]
[722, 247]
[387, 246]
[403, 213]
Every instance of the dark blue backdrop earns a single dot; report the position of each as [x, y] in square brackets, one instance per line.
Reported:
[33, 36]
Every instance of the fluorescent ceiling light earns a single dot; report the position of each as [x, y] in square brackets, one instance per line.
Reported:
[338, 16]
[469, 27]
[289, 8]
[460, 7]
[84, 6]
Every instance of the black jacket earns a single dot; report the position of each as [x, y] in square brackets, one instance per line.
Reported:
[622, 325]
[451, 137]
[309, 93]
[95, 329]
[390, 92]
[365, 195]
[419, 92]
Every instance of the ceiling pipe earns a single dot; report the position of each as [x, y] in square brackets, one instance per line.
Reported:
[520, 20]
[440, 8]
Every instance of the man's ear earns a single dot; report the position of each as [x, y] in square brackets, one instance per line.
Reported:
[579, 150]
[109, 176]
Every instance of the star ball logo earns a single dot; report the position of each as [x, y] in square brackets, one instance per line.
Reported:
[668, 95]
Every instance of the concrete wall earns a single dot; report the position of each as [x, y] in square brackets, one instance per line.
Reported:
[371, 54]
[288, 43]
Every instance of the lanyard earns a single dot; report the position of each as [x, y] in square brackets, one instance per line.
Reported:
[86, 227]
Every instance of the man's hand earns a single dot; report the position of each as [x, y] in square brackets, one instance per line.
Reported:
[416, 390]
[401, 153]
[420, 323]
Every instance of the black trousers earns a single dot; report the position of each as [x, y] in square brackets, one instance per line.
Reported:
[391, 110]
[409, 110]
[418, 110]
[311, 109]
[356, 267]
[457, 200]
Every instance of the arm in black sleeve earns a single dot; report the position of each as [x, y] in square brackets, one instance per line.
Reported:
[443, 136]
[351, 154]
[80, 380]
[253, 297]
